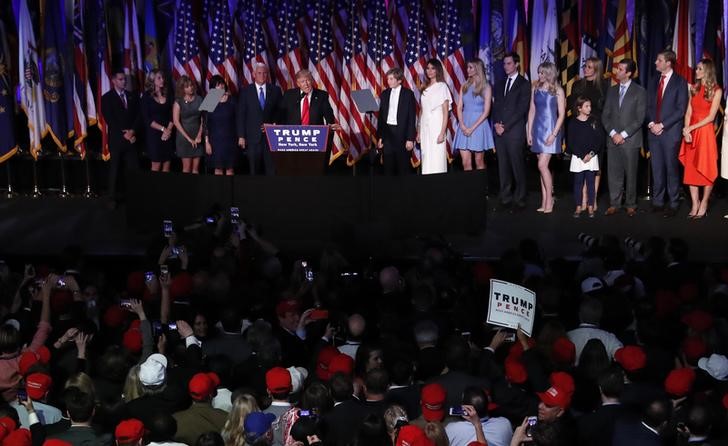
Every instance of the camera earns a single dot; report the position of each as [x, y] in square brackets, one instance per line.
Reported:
[167, 228]
[307, 271]
[172, 325]
[531, 423]
[586, 239]
[148, 276]
[456, 411]
[22, 395]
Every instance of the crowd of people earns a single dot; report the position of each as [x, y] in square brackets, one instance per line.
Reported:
[216, 340]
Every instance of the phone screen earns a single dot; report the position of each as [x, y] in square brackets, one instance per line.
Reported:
[22, 395]
[531, 422]
[234, 215]
[167, 227]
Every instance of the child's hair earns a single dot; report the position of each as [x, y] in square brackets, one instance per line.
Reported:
[581, 100]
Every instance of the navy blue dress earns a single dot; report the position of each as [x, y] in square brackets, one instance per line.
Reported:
[222, 132]
[152, 111]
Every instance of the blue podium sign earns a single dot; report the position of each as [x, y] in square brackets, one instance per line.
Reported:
[297, 138]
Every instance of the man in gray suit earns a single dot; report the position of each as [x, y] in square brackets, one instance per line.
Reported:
[666, 104]
[623, 116]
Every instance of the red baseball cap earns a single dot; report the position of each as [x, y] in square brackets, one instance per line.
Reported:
[56, 442]
[202, 385]
[631, 358]
[37, 385]
[326, 354]
[694, 348]
[135, 283]
[411, 435]
[698, 320]
[129, 431]
[563, 381]
[114, 316]
[516, 349]
[679, 382]
[725, 401]
[7, 425]
[132, 340]
[20, 437]
[181, 286]
[564, 351]
[555, 397]
[278, 380]
[341, 363]
[515, 371]
[287, 306]
[432, 401]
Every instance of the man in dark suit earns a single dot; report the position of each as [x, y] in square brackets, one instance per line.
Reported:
[622, 117]
[596, 428]
[258, 104]
[121, 113]
[645, 432]
[511, 100]
[396, 128]
[667, 102]
[306, 105]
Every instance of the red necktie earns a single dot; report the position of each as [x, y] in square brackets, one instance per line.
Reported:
[304, 112]
[659, 98]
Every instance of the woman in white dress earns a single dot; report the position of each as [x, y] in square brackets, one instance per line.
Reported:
[435, 105]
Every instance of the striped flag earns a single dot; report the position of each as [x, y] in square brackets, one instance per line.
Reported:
[377, 36]
[290, 57]
[31, 94]
[589, 13]
[607, 29]
[250, 18]
[55, 75]
[84, 108]
[569, 53]
[544, 34]
[361, 129]
[221, 60]
[417, 52]
[186, 48]
[102, 64]
[324, 64]
[133, 65]
[8, 147]
[516, 30]
[151, 42]
[682, 43]
[450, 52]
[622, 42]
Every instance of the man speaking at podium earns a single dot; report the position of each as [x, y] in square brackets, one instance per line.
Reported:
[306, 105]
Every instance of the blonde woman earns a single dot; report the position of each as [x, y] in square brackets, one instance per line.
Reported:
[543, 129]
[436, 103]
[474, 135]
[699, 149]
[132, 385]
[233, 432]
[187, 120]
[157, 118]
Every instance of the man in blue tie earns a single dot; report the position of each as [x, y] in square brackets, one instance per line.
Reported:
[259, 104]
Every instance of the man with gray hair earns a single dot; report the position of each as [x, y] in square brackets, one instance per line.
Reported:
[590, 314]
[430, 358]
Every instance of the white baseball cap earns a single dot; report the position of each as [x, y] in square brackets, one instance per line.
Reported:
[153, 371]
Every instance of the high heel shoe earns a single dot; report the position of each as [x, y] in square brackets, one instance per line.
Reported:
[698, 216]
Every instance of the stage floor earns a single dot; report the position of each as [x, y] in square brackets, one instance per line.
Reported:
[44, 226]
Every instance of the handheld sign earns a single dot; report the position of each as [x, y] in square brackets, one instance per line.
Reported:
[511, 305]
[209, 104]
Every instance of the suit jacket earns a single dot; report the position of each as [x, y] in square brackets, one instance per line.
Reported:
[597, 428]
[342, 422]
[634, 434]
[455, 382]
[628, 118]
[119, 118]
[512, 109]
[250, 117]
[406, 114]
[319, 108]
[674, 104]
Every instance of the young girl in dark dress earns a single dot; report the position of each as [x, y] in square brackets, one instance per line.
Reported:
[585, 140]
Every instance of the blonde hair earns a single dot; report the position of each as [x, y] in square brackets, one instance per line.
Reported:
[550, 75]
[709, 80]
[132, 385]
[233, 431]
[83, 382]
[149, 86]
[598, 71]
[393, 415]
[482, 78]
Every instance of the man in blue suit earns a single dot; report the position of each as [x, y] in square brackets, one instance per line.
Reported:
[259, 104]
[667, 102]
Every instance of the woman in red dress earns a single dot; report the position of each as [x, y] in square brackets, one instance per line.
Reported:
[699, 150]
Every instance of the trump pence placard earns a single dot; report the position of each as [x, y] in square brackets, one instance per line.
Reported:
[511, 305]
[297, 138]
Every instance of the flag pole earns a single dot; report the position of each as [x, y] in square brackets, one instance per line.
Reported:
[36, 191]
[63, 193]
[10, 193]
[88, 193]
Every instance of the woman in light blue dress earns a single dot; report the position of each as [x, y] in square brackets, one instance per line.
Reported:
[474, 135]
[543, 130]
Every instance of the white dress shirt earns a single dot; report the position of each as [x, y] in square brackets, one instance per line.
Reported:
[393, 103]
[497, 430]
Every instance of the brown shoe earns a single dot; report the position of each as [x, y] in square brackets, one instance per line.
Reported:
[631, 212]
[611, 211]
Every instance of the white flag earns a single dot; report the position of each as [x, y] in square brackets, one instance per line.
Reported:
[544, 34]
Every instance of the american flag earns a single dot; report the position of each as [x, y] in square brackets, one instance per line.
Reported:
[397, 12]
[133, 66]
[186, 48]
[221, 59]
[250, 18]
[353, 65]
[84, 108]
[103, 73]
[377, 34]
[450, 52]
[324, 64]
[290, 58]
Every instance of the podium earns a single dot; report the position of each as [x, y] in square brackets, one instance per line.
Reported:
[298, 150]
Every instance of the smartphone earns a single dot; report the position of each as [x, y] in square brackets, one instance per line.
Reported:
[318, 315]
[307, 271]
[22, 395]
[510, 337]
[125, 303]
[172, 325]
[167, 228]
[531, 423]
[148, 276]
[157, 328]
[234, 215]
[304, 413]
[60, 282]
[163, 270]
[456, 411]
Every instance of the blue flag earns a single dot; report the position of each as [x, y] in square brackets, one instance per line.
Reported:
[7, 133]
[56, 69]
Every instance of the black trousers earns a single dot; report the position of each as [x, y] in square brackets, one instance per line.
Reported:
[511, 167]
[126, 156]
[396, 156]
[260, 160]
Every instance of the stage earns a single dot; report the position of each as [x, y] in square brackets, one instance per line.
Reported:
[378, 216]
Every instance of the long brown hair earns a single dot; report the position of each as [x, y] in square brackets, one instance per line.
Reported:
[182, 83]
[709, 80]
[439, 74]
[149, 86]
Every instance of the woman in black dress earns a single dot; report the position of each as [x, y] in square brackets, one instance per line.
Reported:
[222, 132]
[157, 117]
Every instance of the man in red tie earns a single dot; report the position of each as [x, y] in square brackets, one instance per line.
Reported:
[307, 105]
[121, 113]
[666, 104]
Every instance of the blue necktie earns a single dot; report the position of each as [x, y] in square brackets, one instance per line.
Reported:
[261, 98]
